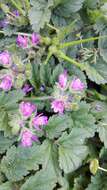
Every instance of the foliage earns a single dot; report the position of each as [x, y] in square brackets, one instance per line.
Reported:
[53, 108]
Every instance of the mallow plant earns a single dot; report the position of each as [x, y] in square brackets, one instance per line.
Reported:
[53, 87]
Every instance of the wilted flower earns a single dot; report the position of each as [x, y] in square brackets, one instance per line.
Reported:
[35, 38]
[6, 83]
[16, 13]
[5, 58]
[27, 88]
[39, 120]
[27, 138]
[63, 79]
[22, 41]
[27, 108]
[77, 85]
[58, 106]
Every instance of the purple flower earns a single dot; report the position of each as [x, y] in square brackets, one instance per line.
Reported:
[27, 138]
[39, 120]
[27, 88]
[63, 79]
[6, 83]
[4, 23]
[27, 108]
[77, 85]
[16, 13]
[22, 41]
[5, 58]
[42, 88]
[58, 106]
[35, 38]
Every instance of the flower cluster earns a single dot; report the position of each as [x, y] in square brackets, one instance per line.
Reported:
[23, 41]
[31, 123]
[7, 80]
[67, 93]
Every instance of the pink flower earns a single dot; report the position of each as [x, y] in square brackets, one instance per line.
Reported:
[39, 120]
[77, 85]
[6, 83]
[63, 79]
[22, 41]
[27, 138]
[35, 38]
[27, 108]
[58, 106]
[5, 58]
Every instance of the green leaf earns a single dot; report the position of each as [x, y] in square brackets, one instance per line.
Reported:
[5, 143]
[99, 109]
[56, 72]
[102, 44]
[8, 104]
[18, 162]
[45, 74]
[42, 180]
[48, 176]
[40, 13]
[47, 154]
[102, 130]
[91, 4]
[6, 186]
[9, 100]
[68, 7]
[80, 183]
[101, 67]
[93, 74]
[64, 31]
[84, 120]
[72, 150]
[57, 124]
[4, 125]
[98, 182]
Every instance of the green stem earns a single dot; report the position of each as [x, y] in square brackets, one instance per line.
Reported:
[53, 27]
[73, 43]
[66, 58]
[1, 32]
[103, 169]
[43, 98]
[17, 6]
[27, 4]
[18, 33]
[48, 57]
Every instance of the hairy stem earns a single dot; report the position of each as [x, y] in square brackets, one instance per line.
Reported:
[103, 169]
[73, 43]
[48, 57]
[18, 33]
[27, 4]
[66, 58]
[42, 98]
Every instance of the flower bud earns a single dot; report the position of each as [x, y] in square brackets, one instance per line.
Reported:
[35, 38]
